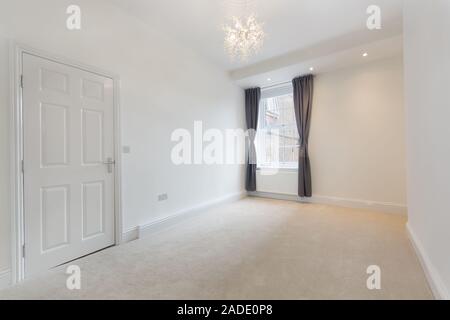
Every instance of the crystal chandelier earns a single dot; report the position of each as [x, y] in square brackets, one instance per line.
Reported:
[243, 38]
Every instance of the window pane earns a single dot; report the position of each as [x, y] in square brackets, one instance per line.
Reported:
[277, 137]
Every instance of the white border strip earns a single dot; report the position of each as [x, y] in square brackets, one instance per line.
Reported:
[350, 203]
[150, 227]
[437, 286]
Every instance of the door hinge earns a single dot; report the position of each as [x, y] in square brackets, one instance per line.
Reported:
[21, 81]
[23, 251]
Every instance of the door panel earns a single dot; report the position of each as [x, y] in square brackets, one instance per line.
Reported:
[68, 118]
[55, 222]
[92, 136]
[54, 135]
[93, 213]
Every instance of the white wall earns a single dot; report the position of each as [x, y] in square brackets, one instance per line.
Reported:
[4, 160]
[427, 93]
[163, 87]
[357, 146]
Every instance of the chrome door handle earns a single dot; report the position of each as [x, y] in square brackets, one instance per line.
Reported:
[109, 162]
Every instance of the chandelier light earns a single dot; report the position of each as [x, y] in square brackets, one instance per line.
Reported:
[244, 37]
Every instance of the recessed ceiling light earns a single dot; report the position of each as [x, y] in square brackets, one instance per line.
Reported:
[269, 79]
[311, 69]
[365, 54]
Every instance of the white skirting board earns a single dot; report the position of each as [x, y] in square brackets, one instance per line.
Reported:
[437, 286]
[130, 235]
[142, 230]
[5, 279]
[350, 203]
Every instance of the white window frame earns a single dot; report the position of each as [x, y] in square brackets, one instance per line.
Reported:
[270, 93]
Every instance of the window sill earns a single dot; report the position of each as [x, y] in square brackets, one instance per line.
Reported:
[277, 169]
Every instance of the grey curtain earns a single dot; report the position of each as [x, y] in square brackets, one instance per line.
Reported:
[252, 98]
[303, 98]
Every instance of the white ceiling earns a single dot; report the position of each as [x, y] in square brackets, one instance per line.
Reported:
[286, 68]
[291, 25]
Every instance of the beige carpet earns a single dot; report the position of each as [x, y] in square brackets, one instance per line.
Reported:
[251, 249]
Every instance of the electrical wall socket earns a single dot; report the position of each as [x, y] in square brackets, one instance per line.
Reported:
[163, 197]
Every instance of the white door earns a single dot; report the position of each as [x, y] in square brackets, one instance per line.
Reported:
[68, 116]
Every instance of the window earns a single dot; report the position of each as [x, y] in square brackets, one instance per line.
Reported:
[277, 139]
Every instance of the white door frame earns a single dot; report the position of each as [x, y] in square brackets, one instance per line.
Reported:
[16, 151]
